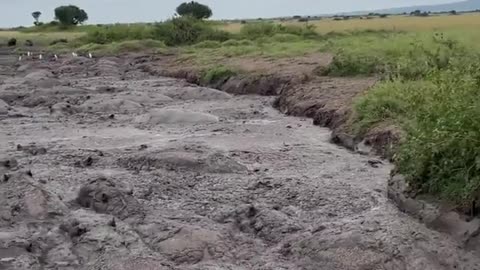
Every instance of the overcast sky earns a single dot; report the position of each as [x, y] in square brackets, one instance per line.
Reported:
[18, 12]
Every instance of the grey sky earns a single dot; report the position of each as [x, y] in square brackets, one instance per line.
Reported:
[18, 12]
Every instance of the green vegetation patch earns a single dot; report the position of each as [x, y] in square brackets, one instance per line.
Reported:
[217, 73]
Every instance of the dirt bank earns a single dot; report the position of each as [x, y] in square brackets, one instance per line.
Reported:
[106, 166]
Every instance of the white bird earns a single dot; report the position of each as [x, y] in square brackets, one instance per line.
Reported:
[90, 55]
[40, 57]
[20, 58]
[28, 54]
[74, 54]
[55, 56]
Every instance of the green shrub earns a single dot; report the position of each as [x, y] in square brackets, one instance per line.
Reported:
[119, 32]
[441, 118]
[187, 30]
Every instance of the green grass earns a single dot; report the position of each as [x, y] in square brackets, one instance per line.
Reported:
[147, 45]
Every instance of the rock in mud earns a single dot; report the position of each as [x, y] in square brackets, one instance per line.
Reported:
[269, 224]
[103, 196]
[64, 108]
[175, 116]
[192, 245]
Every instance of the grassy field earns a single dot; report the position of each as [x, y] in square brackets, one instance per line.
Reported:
[429, 69]
[392, 23]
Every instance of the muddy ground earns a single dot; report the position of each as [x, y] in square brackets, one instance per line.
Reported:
[106, 166]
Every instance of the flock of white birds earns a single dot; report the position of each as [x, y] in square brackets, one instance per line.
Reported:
[39, 56]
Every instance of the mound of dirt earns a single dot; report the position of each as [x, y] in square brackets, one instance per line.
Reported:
[175, 116]
[183, 161]
[38, 75]
[197, 93]
[22, 197]
[103, 196]
[193, 245]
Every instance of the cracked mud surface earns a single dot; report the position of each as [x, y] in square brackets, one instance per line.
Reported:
[103, 166]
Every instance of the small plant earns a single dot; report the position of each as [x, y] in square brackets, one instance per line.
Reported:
[216, 74]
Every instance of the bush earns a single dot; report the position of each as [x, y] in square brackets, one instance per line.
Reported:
[119, 32]
[187, 30]
[441, 118]
[12, 42]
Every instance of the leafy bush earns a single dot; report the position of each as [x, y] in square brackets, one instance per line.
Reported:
[119, 32]
[187, 30]
[12, 42]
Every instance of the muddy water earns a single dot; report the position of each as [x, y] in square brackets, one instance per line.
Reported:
[105, 167]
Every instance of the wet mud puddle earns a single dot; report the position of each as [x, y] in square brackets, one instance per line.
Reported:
[106, 167]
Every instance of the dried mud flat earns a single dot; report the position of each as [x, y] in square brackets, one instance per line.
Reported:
[104, 166]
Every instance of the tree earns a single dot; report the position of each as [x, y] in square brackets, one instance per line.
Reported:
[195, 10]
[70, 15]
[36, 15]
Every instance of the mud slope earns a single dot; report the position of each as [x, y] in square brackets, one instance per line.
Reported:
[104, 166]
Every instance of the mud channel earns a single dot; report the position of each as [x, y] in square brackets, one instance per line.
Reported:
[104, 166]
